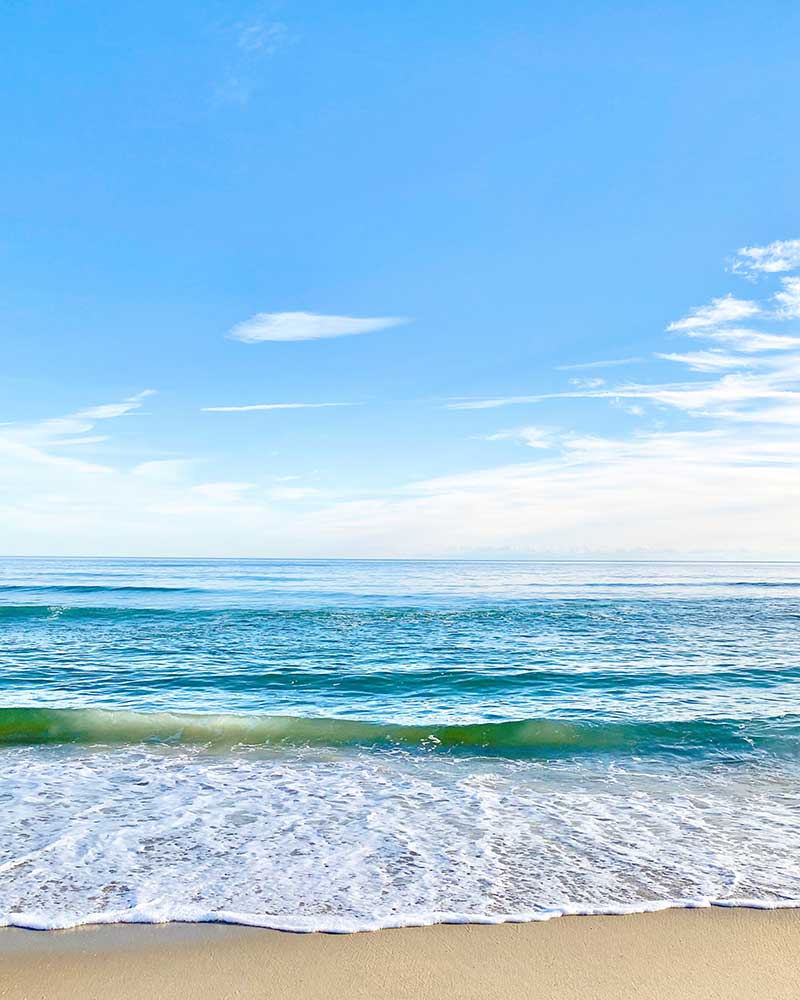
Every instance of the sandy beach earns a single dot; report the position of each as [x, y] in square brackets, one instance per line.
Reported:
[719, 953]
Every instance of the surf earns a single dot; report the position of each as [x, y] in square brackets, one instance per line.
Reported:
[25, 726]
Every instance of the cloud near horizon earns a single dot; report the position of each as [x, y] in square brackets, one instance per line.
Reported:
[293, 326]
[711, 469]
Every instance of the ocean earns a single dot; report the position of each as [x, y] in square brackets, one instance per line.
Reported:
[347, 745]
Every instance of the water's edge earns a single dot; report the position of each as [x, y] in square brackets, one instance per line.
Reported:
[315, 925]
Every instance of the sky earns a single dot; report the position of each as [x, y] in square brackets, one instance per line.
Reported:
[302, 279]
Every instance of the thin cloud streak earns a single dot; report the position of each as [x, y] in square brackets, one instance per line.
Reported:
[712, 361]
[611, 363]
[293, 326]
[271, 406]
[749, 341]
[491, 404]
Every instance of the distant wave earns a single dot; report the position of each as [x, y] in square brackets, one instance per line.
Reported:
[95, 588]
[257, 587]
[528, 737]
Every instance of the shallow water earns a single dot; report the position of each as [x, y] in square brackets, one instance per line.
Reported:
[344, 745]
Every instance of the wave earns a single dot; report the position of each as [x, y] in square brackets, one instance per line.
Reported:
[80, 612]
[24, 726]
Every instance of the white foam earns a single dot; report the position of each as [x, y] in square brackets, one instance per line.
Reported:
[345, 841]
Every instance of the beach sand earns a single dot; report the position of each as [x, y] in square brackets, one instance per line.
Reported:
[718, 953]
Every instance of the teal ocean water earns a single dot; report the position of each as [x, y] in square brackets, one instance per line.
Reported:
[344, 745]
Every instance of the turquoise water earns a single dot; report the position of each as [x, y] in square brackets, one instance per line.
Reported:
[342, 745]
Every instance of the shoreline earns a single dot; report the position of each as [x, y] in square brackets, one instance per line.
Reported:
[691, 954]
[197, 917]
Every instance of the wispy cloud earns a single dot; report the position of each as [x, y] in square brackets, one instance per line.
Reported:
[610, 363]
[726, 309]
[749, 341]
[491, 404]
[690, 492]
[721, 398]
[788, 299]
[107, 411]
[782, 255]
[292, 493]
[33, 477]
[712, 360]
[290, 326]
[73, 429]
[222, 492]
[254, 41]
[757, 372]
[533, 437]
[261, 35]
[270, 406]
[587, 383]
[163, 470]
[82, 441]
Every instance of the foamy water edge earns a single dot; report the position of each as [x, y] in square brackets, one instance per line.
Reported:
[315, 925]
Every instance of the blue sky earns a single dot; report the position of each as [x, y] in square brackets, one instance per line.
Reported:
[446, 219]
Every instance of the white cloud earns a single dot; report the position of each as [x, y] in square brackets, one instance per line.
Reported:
[255, 41]
[86, 439]
[73, 428]
[749, 341]
[732, 395]
[731, 490]
[728, 486]
[587, 383]
[291, 326]
[533, 437]
[782, 255]
[110, 410]
[709, 399]
[16, 457]
[261, 36]
[789, 299]
[611, 363]
[694, 493]
[726, 309]
[492, 404]
[711, 361]
[282, 493]
[165, 470]
[737, 393]
[270, 406]
[225, 493]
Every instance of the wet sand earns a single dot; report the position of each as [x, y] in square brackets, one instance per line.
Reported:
[717, 953]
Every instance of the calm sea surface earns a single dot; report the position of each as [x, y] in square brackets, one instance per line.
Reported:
[341, 745]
